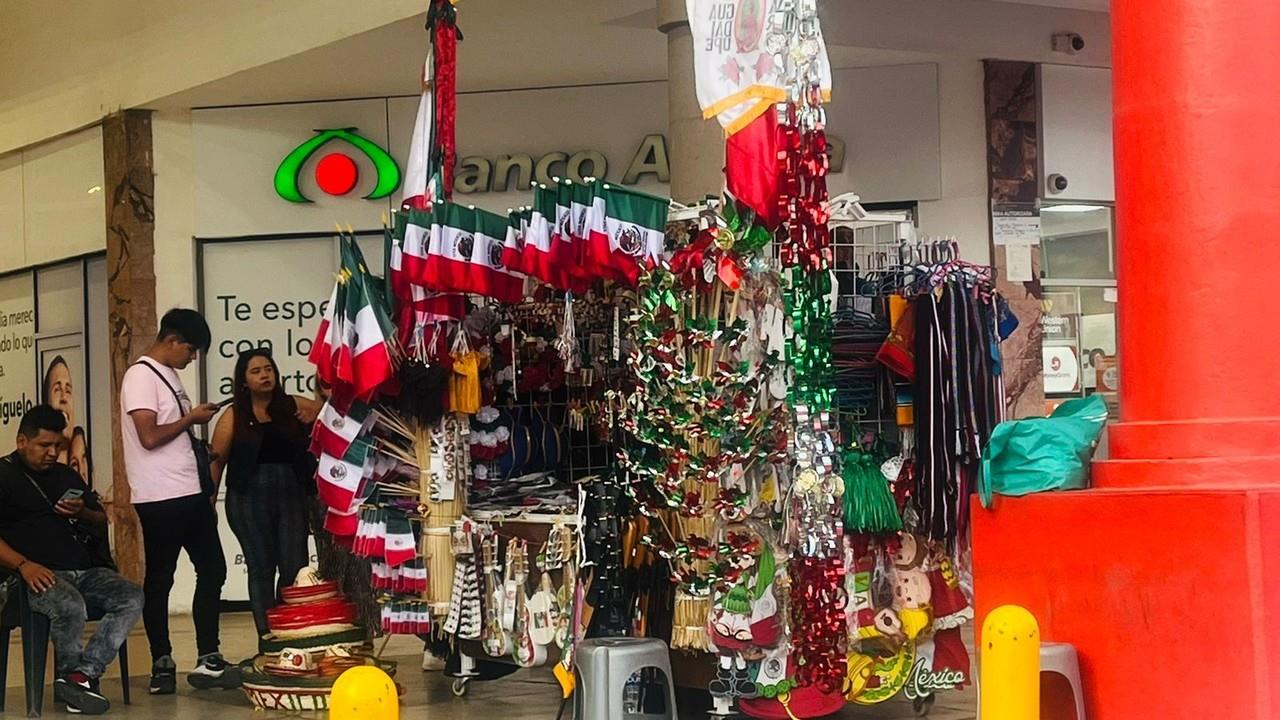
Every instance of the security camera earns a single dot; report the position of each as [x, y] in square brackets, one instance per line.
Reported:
[1057, 183]
[1069, 43]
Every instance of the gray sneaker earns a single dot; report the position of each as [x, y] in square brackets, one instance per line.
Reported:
[164, 676]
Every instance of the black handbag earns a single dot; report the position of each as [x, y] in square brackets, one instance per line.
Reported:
[198, 447]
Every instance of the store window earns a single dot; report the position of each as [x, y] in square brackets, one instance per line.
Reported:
[1079, 322]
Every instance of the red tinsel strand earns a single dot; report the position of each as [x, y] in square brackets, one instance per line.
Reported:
[446, 99]
[817, 606]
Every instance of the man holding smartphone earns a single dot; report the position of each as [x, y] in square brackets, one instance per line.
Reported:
[163, 460]
[53, 533]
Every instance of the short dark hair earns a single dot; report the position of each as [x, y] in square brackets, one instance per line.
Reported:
[188, 326]
[42, 417]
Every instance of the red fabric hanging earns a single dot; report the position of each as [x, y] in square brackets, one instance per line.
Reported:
[752, 170]
[446, 98]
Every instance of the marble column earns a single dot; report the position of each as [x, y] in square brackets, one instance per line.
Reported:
[695, 145]
[1012, 109]
[131, 294]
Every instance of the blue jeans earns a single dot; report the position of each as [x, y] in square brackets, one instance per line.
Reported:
[68, 604]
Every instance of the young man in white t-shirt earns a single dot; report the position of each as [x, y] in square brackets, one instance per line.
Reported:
[175, 512]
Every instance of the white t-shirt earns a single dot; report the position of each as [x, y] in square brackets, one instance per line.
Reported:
[168, 471]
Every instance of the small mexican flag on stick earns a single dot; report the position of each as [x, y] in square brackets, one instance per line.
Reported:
[366, 354]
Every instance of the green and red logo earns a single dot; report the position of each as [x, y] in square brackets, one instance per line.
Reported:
[337, 173]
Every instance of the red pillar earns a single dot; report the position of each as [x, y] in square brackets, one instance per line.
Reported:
[1197, 114]
[1166, 575]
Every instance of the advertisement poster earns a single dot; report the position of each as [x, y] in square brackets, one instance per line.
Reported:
[62, 372]
[17, 355]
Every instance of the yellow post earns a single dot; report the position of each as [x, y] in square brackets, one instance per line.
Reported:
[364, 692]
[1010, 665]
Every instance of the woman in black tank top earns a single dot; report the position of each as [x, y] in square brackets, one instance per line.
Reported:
[261, 442]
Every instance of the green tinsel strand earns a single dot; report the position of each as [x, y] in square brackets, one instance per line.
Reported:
[868, 505]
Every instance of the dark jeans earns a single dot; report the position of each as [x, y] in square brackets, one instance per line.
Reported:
[169, 527]
[76, 595]
[269, 518]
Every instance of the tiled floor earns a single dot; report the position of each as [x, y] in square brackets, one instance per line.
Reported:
[528, 694]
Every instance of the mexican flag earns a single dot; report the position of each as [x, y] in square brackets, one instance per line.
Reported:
[335, 431]
[537, 257]
[513, 243]
[449, 250]
[627, 230]
[401, 545]
[489, 272]
[340, 525]
[414, 227]
[364, 357]
[328, 336]
[338, 479]
[562, 252]
[421, 187]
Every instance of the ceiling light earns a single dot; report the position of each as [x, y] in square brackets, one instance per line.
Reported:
[95, 189]
[1072, 208]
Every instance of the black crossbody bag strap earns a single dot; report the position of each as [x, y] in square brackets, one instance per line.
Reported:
[198, 447]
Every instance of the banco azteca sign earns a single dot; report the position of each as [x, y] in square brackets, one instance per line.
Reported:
[337, 173]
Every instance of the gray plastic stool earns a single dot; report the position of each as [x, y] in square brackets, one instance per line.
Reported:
[605, 664]
[1061, 658]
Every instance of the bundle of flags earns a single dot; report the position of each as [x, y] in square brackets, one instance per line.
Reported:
[409, 578]
[454, 249]
[385, 534]
[578, 232]
[340, 440]
[572, 235]
[356, 347]
[406, 617]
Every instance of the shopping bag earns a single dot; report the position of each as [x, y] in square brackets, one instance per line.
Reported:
[1038, 454]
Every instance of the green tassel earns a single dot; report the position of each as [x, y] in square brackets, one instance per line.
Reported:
[868, 505]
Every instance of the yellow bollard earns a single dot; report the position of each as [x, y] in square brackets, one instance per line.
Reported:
[1010, 665]
[364, 692]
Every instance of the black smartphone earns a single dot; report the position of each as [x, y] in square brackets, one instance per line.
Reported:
[224, 403]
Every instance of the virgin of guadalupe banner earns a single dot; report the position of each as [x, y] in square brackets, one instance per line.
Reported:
[734, 56]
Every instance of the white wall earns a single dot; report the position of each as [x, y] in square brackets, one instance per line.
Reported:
[52, 201]
[962, 210]
[1075, 132]
[175, 258]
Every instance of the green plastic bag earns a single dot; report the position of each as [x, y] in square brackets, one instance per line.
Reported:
[1038, 454]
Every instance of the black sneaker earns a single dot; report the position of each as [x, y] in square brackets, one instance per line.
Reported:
[212, 671]
[164, 676]
[80, 696]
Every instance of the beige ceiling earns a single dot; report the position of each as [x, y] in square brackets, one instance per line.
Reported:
[540, 43]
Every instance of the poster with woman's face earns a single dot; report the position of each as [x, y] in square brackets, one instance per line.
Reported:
[62, 363]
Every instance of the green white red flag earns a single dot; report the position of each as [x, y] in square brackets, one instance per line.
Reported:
[627, 230]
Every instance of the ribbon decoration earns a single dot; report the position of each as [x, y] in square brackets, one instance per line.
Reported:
[442, 21]
[817, 606]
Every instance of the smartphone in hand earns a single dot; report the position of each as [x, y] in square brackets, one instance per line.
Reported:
[71, 494]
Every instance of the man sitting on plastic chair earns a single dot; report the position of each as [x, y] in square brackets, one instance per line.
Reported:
[53, 532]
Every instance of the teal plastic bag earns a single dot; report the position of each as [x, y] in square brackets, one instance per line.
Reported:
[1038, 454]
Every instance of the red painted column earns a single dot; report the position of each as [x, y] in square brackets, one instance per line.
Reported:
[1197, 157]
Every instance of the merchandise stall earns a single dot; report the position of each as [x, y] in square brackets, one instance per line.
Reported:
[605, 414]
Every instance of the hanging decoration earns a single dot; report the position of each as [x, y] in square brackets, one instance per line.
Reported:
[706, 437]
